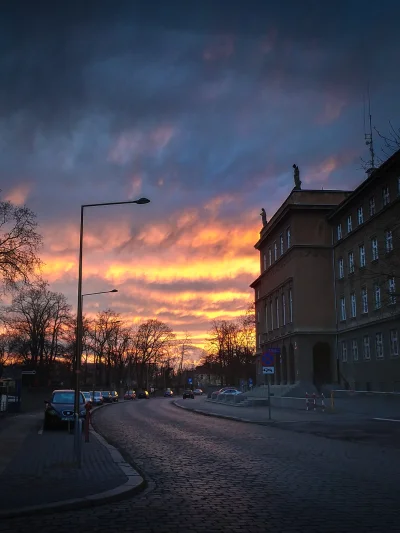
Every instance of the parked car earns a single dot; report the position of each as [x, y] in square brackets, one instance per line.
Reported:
[87, 395]
[198, 392]
[168, 393]
[130, 395]
[97, 398]
[114, 396]
[188, 394]
[106, 395]
[229, 392]
[59, 410]
[144, 395]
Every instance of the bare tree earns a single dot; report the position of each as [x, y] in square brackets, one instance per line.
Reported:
[35, 320]
[152, 343]
[19, 244]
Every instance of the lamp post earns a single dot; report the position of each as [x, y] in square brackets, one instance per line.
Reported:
[78, 355]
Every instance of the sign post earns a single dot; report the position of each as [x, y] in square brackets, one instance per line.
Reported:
[268, 362]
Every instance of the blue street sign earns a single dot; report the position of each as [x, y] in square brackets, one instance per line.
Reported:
[190, 380]
[250, 381]
[274, 350]
[267, 359]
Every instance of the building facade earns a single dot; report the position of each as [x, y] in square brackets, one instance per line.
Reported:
[294, 297]
[326, 295]
[366, 250]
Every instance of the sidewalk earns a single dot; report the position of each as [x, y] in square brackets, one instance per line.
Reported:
[256, 415]
[38, 472]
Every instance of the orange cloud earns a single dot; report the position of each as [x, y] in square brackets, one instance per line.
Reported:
[332, 110]
[18, 195]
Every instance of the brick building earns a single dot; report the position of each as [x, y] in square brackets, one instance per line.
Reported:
[294, 297]
[366, 254]
[312, 283]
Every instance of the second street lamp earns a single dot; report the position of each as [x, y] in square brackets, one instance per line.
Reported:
[78, 355]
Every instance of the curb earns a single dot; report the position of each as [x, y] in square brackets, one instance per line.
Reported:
[226, 417]
[135, 484]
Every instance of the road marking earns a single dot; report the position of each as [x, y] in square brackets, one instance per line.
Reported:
[40, 432]
[387, 419]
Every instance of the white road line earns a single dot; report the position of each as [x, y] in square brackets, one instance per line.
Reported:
[40, 432]
[387, 419]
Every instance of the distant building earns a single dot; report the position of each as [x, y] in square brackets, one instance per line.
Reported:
[328, 292]
[366, 254]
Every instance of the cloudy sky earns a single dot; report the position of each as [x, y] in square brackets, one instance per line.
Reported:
[201, 106]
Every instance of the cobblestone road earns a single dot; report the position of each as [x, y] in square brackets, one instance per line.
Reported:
[212, 475]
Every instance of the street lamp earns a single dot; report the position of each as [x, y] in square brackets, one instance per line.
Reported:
[78, 355]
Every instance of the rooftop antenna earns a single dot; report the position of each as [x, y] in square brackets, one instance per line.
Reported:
[369, 141]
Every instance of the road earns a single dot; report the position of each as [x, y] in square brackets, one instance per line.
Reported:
[212, 475]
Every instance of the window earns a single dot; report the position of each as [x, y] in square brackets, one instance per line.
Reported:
[259, 340]
[288, 238]
[360, 215]
[388, 241]
[385, 195]
[275, 251]
[354, 349]
[344, 351]
[353, 302]
[270, 256]
[290, 306]
[258, 317]
[351, 263]
[394, 343]
[366, 348]
[281, 243]
[374, 247]
[271, 312]
[392, 290]
[266, 318]
[377, 296]
[364, 300]
[284, 309]
[362, 256]
[265, 262]
[342, 308]
[379, 345]
[372, 206]
[349, 224]
[277, 312]
[339, 232]
[258, 294]
[341, 268]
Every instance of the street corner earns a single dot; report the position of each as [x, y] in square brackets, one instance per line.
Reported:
[73, 488]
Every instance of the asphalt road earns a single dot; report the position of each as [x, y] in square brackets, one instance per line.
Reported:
[212, 475]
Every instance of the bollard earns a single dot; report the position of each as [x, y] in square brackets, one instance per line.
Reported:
[88, 407]
[307, 402]
[323, 402]
[314, 399]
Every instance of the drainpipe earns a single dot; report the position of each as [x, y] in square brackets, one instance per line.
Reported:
[336, 310]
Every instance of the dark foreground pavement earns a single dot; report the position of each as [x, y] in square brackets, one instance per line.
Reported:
[207, 474]
[38, 468]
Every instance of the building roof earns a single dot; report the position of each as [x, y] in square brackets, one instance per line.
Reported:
[375, 174]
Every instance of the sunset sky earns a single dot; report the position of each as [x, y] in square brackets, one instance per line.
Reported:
[203, 110]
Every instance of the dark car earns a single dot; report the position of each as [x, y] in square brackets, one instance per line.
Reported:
[97, 398]
[130, 395]
[168, 393]
[143, 395]
[114, 396]
[60, 409]
[188, 394]
[106, 395]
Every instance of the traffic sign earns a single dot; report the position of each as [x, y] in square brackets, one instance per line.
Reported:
[28, 372]
[250, 381]
[274, 350]
[190, 380]
[267, 359]
[268, 370]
